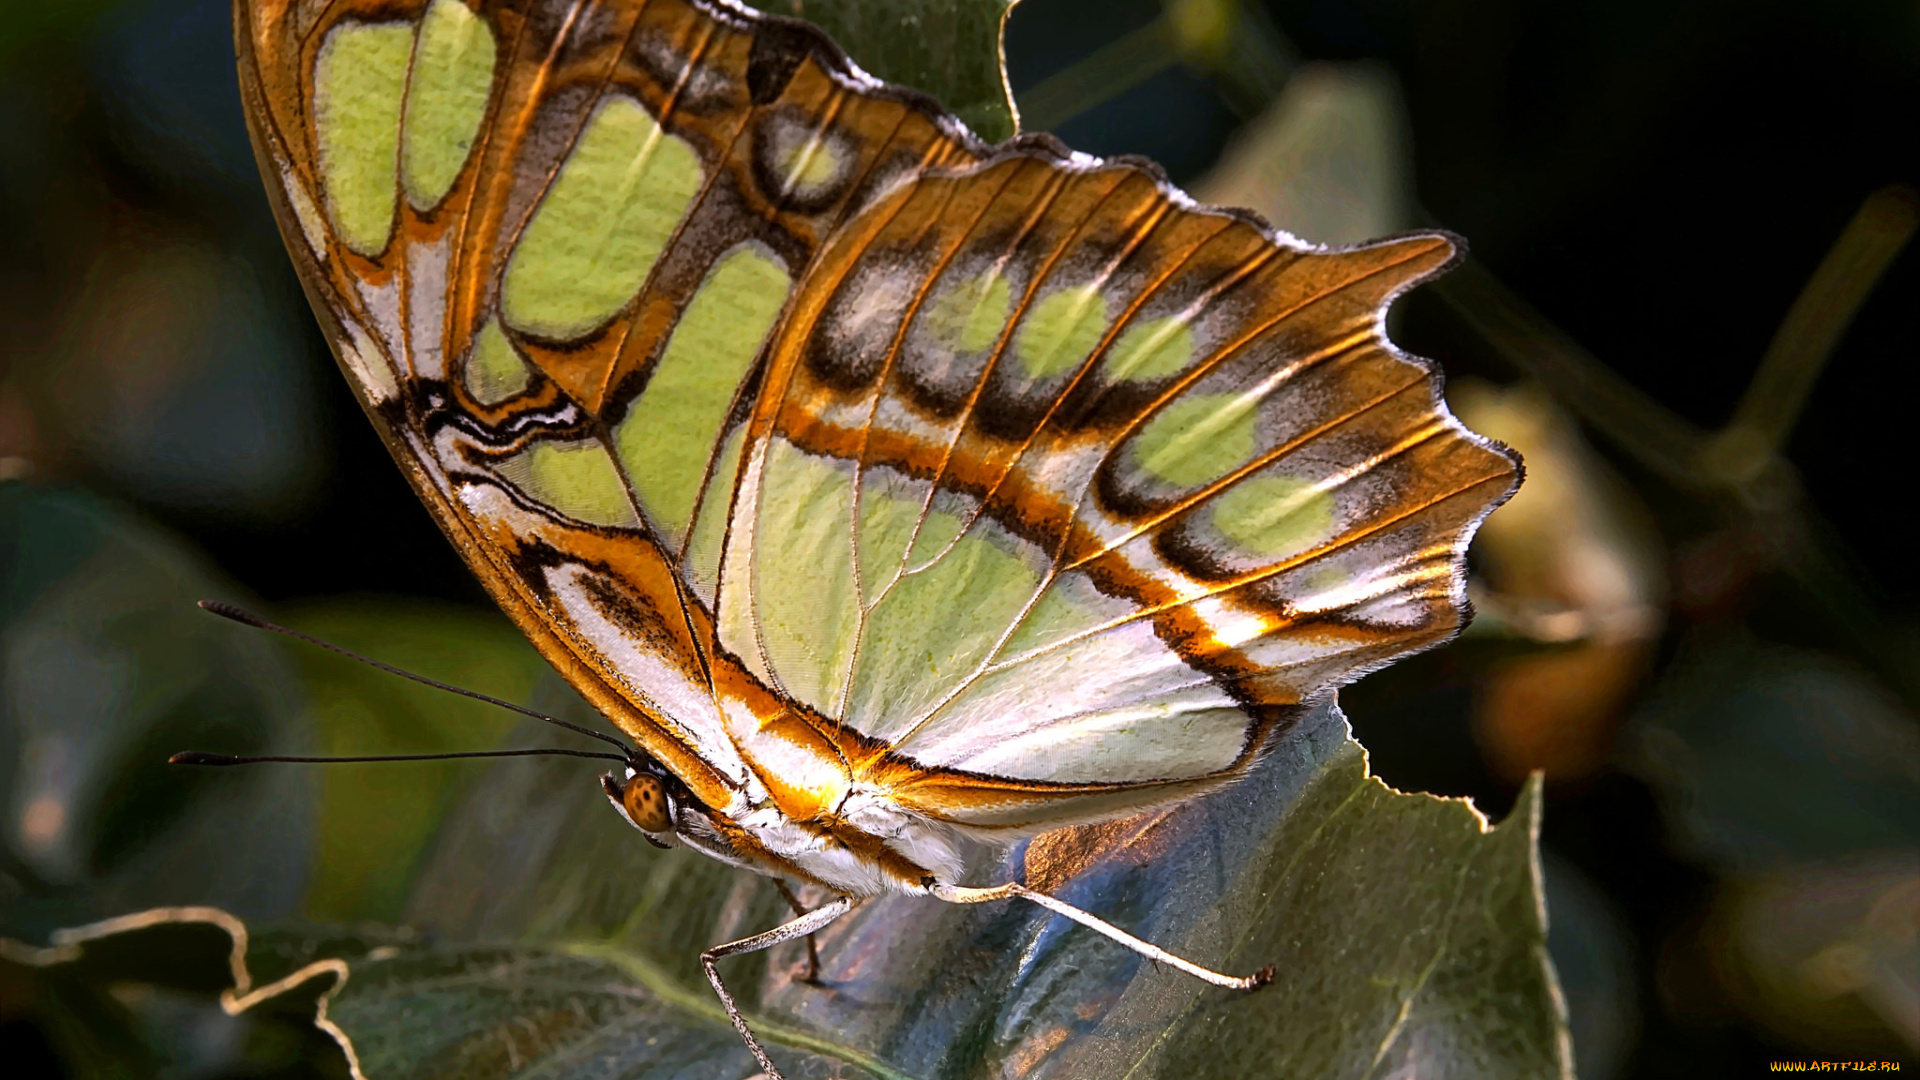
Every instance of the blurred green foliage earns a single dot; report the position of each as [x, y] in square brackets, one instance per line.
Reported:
[109, 668]
[27, 26]
[947, 48]
[375, 822]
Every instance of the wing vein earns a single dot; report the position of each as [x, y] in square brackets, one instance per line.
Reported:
[1249, 579]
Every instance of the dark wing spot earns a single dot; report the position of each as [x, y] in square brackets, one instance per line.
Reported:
[777, 52]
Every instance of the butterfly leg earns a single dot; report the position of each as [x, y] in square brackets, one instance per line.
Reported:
[813, 951]
[787, 931]
[958, 894]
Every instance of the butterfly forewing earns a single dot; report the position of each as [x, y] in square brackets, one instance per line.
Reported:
[548, 241]
[826, 449]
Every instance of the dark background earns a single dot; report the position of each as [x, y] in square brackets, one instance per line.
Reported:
[1656, 179]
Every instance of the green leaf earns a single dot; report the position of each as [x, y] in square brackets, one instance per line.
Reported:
[1765, 756]
[1408, 938]
[183, 991]
[43, 28]
[950, 49]
[376, 820]
[479, 1012]
[109, 669]
[1327, 161]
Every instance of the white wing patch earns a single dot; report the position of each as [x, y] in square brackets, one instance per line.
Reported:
[1111, 707]
[640, 667]
[369, 364]
[645, 672]
[427, 307]
[933, 627]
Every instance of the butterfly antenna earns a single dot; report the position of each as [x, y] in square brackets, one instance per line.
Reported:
[248, 618]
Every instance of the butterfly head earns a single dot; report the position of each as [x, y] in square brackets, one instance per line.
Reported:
[649, 797]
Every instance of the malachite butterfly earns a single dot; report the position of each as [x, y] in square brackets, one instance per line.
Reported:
[889, 490]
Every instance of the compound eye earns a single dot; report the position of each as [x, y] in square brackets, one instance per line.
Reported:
[646, 803]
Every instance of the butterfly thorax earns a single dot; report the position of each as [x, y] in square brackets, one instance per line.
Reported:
[857, 843]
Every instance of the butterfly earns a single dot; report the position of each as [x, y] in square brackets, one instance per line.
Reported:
[892, 492]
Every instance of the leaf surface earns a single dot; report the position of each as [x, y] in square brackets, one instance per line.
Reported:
[375, 821]
[1407, 936]
[109, 668]
[950, 49]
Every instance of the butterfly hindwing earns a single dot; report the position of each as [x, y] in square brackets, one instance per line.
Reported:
[1060, 481]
